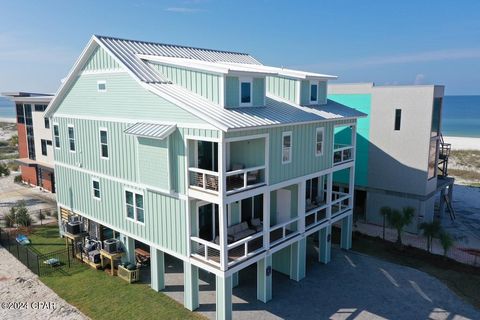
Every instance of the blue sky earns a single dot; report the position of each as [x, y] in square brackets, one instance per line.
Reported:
[388, 42]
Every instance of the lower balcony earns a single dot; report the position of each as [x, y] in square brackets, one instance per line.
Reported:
[342, 153]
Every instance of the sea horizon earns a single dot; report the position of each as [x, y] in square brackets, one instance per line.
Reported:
[461, 115]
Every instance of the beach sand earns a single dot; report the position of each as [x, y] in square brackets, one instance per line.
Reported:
[10, 120]
[463, 143]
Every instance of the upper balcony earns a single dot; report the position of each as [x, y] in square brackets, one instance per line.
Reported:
[344, 144]
[245, 165]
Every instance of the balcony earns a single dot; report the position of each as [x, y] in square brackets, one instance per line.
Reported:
[242, 179]
[340, 203]
[342, 153]
[284, 231]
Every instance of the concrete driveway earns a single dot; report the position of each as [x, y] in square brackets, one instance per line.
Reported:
[352, 286]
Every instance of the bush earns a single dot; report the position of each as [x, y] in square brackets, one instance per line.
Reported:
[10, 218]
[18, 179]
[47, 212]
[4, 171]
[13, 166]
[23, 218]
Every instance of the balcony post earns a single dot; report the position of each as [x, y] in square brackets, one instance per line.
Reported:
[222, 213]
[329, 194]
[301, 206]
[266, 220]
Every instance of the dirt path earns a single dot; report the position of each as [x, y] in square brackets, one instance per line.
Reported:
[24, 296]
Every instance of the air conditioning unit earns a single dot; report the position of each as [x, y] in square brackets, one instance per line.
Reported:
[74, 227]
[74, 218]
[111, 245]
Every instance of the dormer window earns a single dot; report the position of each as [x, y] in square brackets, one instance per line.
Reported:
[245, 92]
[313, 92]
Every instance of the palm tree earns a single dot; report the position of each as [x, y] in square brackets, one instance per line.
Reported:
[384, 212]
[430, 230]
[399, 220]
[446, 241]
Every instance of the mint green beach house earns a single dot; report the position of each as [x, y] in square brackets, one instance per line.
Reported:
[207, 156]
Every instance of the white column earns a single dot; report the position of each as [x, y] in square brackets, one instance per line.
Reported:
[224, 298]
[190, 288]
[324, 244]
[266, 220]
[264, 279]
[129, 247]
[222, 212]
[157, 269]
[301, 206]
[329, 194]
[346, 232]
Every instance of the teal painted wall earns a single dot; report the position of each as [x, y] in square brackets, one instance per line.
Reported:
[282, 87]
[360, 102]
[235, 214]
[232, 92]
[100, 60]
[124, 98]
[293, 204]
[153, 158]
[281, 260]
[250, 153]
[165, 218]
[304, 160]
[304, 92]
[203, 83]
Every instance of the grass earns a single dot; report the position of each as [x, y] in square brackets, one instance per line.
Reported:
[465, 174]
[470, 158]
[100, 296]
[464, 280]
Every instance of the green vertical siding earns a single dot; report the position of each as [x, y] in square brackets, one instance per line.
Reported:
[360, 102]
[258, 92]
[124, 98]
[202, 83]
[304, 160]
[304, 92]
[100, 60]
[322, 92]
[165, 219]
[153, 161]
[250, 153]
[282, 87]
[232, 92]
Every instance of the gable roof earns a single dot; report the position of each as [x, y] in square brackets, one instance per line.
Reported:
[129, 53]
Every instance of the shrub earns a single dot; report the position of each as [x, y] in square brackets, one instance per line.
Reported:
[399, 220]
[47, 212]
[18, 179]
[13, 166]
[10, 218]
[4, 171]
[446, 241]
[430, 231]
[23, 218]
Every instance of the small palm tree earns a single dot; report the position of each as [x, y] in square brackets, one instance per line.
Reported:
[446, 241]
[41, 217]
[399, 220]
[430, 230]
[384, 212]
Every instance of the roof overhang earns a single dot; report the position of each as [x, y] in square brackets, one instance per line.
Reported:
[151, 130]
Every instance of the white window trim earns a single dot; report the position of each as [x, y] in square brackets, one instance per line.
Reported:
[100, 141]
[322, 129]
[99, 82]
[74, 138]
[284, 134]
[54, 136]
[99, 189]
[135, 192]
[240, 81]
[310, 92]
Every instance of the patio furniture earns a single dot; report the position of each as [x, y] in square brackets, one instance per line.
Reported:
[239, 231]
[142, 257]
[253, 177]
[22, 239]
[256, 224]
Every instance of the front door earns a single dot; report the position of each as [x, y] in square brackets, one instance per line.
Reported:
[284, 201]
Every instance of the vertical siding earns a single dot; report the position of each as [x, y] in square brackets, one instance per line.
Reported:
[250, 153]
[124, 98]
[153, 161]
[232, 91]
[258, 92]
[100, 60]
[203, 83]
[282, 87]
[165, 222]
[304, 92]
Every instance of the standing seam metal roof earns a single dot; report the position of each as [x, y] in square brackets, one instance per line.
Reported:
[153, 130]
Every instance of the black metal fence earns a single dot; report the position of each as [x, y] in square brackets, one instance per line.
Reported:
[39, 263]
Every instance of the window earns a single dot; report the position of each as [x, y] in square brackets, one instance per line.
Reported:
[313, 92]
[49, 142]
[103, 143]
[47, 123]
[40, 107]
[436, 117]
[245, 92]
[319, 141]
[20, 115]
[286, 147]
[96, 188]
[134, 206]
[101, 86]
[44, 147]
[71, 137]
[398, 118]
[56, 136]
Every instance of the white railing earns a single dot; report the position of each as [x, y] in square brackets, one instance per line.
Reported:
[339, 205]
[242, 179]
[342, 153]
[319, 215]
[206, 250]
[203, 179]
[286, 232]
[244, 248]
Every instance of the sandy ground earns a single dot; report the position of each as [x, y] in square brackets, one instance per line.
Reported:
[6, 133]
[23, 296]
[463, 143]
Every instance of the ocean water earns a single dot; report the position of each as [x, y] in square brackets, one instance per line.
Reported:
[461, 115]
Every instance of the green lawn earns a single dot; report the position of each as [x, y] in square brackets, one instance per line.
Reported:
[101, 296]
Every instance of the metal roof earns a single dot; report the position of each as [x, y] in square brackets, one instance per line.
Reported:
[275, 112]
[127, 50]
[151, 130]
